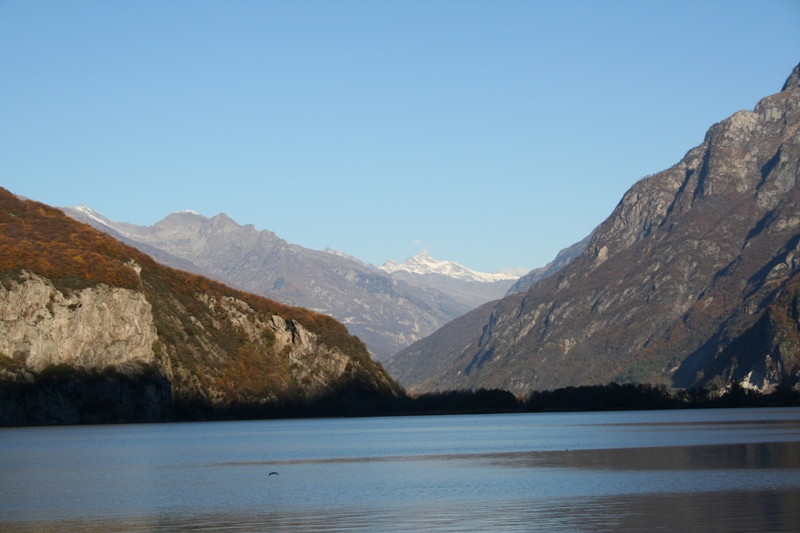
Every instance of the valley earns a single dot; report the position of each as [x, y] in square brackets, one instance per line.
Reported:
[692, 284]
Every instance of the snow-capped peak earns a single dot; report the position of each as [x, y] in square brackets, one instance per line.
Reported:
[423, 263]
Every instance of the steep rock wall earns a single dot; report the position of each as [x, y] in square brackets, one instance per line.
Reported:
[94, 327]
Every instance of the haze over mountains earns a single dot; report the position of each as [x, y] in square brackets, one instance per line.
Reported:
[694, 280]
[388, 307]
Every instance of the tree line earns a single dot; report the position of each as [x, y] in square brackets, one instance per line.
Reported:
[75, 396]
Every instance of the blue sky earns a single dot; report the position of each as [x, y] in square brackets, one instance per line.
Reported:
[488, 133]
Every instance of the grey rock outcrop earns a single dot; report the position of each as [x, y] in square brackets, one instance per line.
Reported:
[309, 362]
[94, 327]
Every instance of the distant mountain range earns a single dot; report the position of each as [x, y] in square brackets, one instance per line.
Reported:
[387, 307]
[694, 280]
[423, 264]
[467, 286]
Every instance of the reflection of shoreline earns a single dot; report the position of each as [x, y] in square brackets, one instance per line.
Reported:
[744, 456]
[740, 456]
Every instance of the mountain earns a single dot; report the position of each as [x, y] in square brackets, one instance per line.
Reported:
[423, 264]
[124, 232]
[562, 259]
[93, 330]
[387, 311]
[465, 285]
[692, 281]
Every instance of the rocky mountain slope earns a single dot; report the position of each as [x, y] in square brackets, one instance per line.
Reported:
[562, 259]
[77, 306]
[692, 281]
[387, 311]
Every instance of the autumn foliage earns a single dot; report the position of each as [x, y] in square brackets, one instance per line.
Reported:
[43, 240]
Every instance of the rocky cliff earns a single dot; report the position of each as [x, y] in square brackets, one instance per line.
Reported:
[690, 281]
[149, 342]
[91, 328]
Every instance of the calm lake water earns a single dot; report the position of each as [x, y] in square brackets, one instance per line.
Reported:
[710, 470]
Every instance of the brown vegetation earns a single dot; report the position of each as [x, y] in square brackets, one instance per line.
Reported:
[40, 238]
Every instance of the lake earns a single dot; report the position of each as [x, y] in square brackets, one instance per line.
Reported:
[711, 470]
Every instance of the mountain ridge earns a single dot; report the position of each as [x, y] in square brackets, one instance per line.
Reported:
[668, 286]
[387, 311]
[422, 263]
[562, 259]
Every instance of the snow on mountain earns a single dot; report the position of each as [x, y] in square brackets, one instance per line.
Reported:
[423, 263]
[86, 214]
[92, 214]
[338, 253]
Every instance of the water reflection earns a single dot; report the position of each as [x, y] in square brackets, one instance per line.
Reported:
[720, 471]
[770, 455]
[767, 455]
[767, 511]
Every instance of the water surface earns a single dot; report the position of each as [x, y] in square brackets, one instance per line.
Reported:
[725, 470]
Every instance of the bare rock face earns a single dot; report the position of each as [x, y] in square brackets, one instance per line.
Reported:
[309, 361]
[690, 260]
[276, 359]
[309, 364]
[95, 327]
[793, 81]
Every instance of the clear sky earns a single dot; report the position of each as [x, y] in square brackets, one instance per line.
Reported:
[489, 133]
